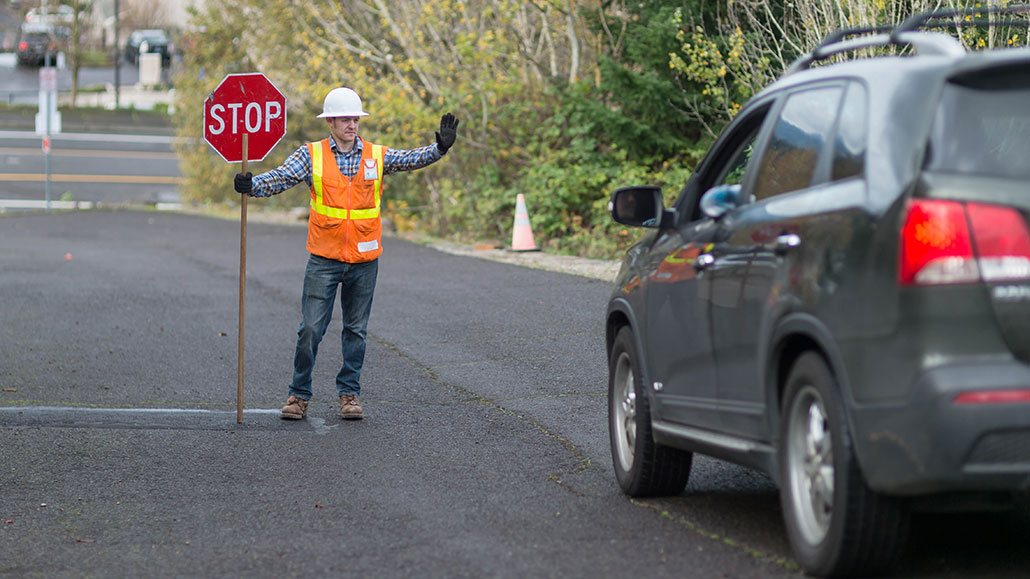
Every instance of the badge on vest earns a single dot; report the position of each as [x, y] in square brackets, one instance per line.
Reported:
[371, 172]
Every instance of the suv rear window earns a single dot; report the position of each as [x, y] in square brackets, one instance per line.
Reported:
[982, 126]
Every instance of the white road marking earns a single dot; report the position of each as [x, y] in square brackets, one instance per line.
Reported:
[103, 417]
[102, 137]
[93, 409]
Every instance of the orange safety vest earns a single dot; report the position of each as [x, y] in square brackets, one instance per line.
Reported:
[344, 224]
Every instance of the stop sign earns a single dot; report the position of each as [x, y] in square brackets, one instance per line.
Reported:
[244, 103]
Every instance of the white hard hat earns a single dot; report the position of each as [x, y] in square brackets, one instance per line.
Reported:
[342, 102]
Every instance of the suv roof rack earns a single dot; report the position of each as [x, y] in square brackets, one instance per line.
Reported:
[909, 33]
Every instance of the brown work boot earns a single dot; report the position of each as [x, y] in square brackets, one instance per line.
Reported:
[295, 409]
[350, 408]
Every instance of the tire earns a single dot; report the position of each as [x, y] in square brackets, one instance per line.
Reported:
[836, 524]
[642, 467]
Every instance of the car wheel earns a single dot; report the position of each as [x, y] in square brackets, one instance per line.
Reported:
[642, 467]
[836, 524]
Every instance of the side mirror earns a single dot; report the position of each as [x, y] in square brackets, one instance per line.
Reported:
[641, 206]
[720, 199]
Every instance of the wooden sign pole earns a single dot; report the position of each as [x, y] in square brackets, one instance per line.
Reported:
[243, 289]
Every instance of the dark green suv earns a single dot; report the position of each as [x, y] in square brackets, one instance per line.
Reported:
[840, 297]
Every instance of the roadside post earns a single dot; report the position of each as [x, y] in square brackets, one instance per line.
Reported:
[244, 119]
[48, 119]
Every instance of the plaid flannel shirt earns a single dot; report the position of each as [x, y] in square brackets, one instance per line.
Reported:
[297, 167]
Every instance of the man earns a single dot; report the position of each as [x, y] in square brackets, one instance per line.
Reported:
[345, 175]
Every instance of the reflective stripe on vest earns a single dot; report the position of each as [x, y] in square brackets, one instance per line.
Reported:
[338, 212]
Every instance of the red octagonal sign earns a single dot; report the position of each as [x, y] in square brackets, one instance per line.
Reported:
[244, 103]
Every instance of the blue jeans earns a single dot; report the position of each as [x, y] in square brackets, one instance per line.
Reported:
[357, 282]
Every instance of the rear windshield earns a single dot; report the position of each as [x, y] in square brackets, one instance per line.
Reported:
[982, 126]
[151, 36]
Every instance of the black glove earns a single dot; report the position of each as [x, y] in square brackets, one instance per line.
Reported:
[244, 183]
[448, 132]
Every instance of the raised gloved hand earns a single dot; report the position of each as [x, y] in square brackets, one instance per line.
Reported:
[244, 183]
[448, 132]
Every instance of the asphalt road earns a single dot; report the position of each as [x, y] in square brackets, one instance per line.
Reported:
[483, 452]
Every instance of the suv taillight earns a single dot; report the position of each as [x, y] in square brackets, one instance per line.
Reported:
[948, 242]
[23, 45]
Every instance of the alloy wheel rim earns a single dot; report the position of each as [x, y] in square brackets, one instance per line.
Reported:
[810, 465]
[624, 407]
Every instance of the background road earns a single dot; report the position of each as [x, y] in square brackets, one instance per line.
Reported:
[100, 168]
[483, 452]
[136, 167]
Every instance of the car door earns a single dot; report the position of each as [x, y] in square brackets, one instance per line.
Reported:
[679, 349]
[679, 291]
[803, 211]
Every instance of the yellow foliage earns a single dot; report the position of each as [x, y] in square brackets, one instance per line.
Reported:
[410, 62]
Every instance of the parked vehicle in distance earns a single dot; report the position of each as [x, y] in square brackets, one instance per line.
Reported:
[840, 296]
[148, 41]
[36, 41]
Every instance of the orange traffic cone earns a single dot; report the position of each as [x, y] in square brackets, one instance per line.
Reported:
[522, 236]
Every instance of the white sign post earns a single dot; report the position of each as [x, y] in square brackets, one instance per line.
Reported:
[48, 119]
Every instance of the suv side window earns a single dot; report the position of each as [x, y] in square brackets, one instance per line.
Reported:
[799, 137]
[733, 174]
[729, 163]
[850, 143]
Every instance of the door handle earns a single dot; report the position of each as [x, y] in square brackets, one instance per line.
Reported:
[786, 242]
[703, 261]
